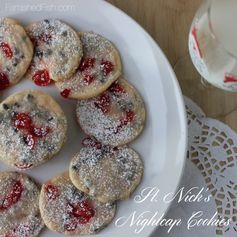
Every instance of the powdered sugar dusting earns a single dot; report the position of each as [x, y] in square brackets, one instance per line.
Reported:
[57, 49]
[14, 149]
[56, 213]
[106, 127]
[15, 66]
[108, 173]
[23, 218]
[98, 49]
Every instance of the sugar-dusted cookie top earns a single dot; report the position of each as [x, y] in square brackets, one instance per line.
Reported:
[106, 173]
[67, 210]
[19, 206]
[16, 51]
[33, 129]
[99, 68]
[116, 117]
[57, 51]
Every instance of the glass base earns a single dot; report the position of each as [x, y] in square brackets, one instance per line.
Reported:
[216, 103]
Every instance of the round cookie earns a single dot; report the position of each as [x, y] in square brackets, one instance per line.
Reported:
[19, 206]
[57, 53]
[33, 129]
[115, 117]
[67, 210]
[106, 173]
[16, 52]
[99, 68]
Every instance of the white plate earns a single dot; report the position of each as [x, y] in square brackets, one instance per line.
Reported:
[163, 142]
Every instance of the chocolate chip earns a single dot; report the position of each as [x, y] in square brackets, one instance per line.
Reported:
[62, 54]
[8, 69]
[46, 21]
[16, 51]
[101, 79]
[50, 119]
[17, 105]
[39, 54]
[96, 230]
[49, 52]
[124, 105]
[25, 140]
[75, 167]
[77, 194]
[15, 62]
[130, 176]
[64, 33]
[105, 150]
[30, 97]
[122, 160]
[22, 56]
[5, 106]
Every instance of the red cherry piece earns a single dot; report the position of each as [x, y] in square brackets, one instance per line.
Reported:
[128, 118]
[81, 213]
[40, 132]
[88, 79]
[84, 211]
[29, 140]
[4, 81]
[195, 36]
[12, 197]
[106, 67]
[103, 102]
[41, 38]
[42, 78]
[51, 191]
[23, 166]
[65, 93]
[6, 49]
[23, 121]
[34, 40]
[91, 142]
[87, 63]
[230, 78]
[116, 88]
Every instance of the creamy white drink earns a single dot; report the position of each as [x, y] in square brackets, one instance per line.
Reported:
[213, 43]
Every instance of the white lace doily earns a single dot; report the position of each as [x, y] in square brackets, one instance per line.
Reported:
[212, 164]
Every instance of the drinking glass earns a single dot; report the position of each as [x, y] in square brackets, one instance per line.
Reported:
[213, 51]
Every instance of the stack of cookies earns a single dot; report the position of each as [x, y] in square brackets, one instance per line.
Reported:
[85, 67]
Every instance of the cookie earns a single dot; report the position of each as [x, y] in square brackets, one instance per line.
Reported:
[99, 68]
[33, 129]
[106, 173]
[115, 117]
[57, 51]
[19, 206]
[67, 210]
[16, 52]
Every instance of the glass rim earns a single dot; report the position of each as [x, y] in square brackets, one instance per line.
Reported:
[213, 34]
